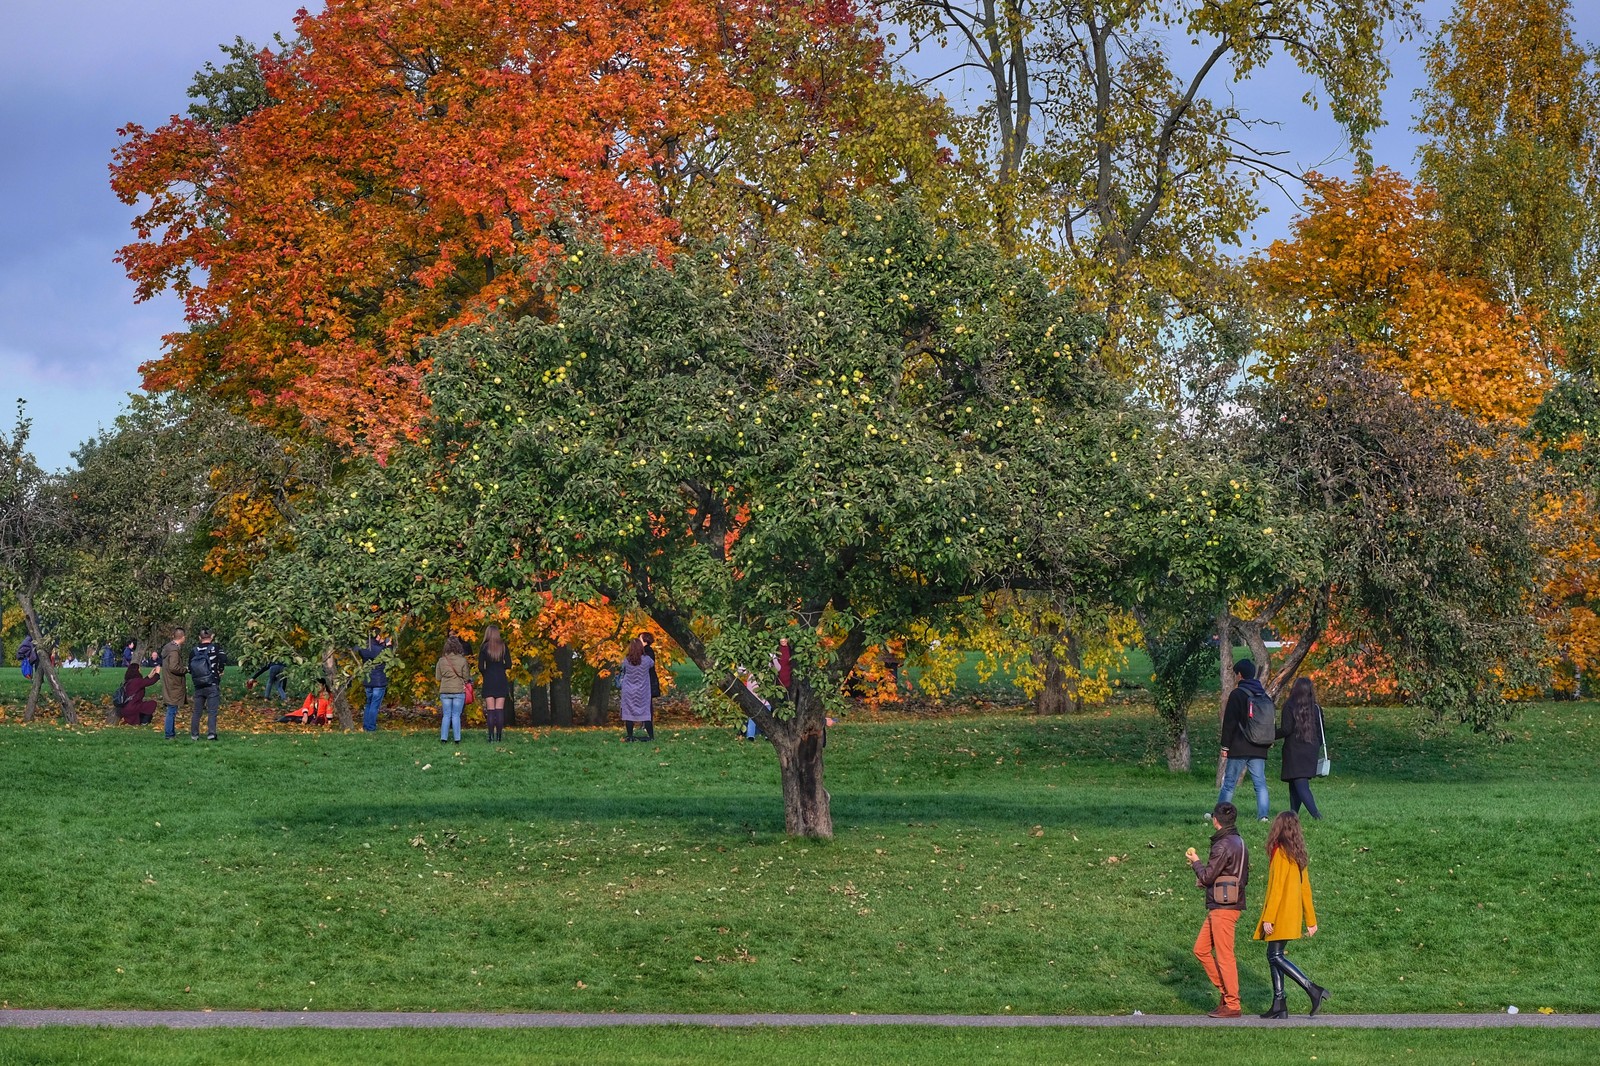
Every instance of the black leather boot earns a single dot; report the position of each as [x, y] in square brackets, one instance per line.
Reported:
[1279, 1008]
[1293, 973]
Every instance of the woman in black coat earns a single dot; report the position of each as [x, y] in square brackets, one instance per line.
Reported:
[1300, 729]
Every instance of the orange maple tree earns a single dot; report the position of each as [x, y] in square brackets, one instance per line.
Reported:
[411, 163]
[1363, 269]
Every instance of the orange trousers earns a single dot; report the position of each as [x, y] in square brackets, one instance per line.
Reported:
[1214, 948]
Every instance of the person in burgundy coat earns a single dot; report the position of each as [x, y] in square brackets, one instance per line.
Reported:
[138, 710]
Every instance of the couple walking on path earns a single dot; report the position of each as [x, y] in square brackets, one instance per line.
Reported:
[1286, 911]
[1248, 733]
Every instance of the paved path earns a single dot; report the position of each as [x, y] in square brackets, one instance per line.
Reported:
[192, 1019]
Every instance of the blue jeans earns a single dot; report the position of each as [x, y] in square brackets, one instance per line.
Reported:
[369, 716]
[1258, 774]
[172, 721]
[451, 705]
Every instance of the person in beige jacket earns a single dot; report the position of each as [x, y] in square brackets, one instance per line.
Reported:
[174, 667]
[453, 675]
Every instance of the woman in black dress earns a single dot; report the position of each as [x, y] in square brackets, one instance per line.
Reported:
[1300, 728]
[493, 661]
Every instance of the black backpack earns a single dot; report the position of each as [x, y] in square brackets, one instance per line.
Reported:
[119, 698]
[200, 667]
[1260, 725]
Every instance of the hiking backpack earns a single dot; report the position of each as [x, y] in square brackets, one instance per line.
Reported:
[200, 671]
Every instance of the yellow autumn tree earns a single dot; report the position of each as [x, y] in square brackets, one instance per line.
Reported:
[1362, 270]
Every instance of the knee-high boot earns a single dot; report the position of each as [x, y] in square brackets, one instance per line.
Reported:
[1293, 972]
[1280, 1007]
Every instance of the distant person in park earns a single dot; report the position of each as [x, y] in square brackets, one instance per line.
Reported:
[635, 680]
[1301, 730]
[1223, 875]
[130, 653]
[27, 657]
[377, 681]
[453, 674]
[108, 657]
[206, 663]
[136, 710]
[1240, 752]
[174, 666]
[1286, 909]
[277, 683]
[494, 659]
[655, 679]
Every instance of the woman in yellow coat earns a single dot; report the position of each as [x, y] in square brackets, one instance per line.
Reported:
[1287, 908]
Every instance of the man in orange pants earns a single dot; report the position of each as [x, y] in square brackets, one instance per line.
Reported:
[1223, 875]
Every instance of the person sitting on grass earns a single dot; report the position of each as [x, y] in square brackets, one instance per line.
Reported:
[137, 710]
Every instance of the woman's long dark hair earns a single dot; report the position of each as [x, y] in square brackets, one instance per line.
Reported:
[635, 652]
[1302, 707]
[494, 646]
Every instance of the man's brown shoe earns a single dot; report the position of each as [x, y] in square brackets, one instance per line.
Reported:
[1225, 1012]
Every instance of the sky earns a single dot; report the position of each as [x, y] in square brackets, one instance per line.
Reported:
[71, 336]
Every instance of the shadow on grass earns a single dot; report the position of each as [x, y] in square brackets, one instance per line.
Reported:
[738, 817]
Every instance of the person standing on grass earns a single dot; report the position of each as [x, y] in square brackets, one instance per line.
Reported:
[1301, 732]
[453, 675]
[1286, 909]
[206, 663]
[174, 666]
[377, 682]
[1223, 875]
[636, 668]
[494, 658]
[1240, 753]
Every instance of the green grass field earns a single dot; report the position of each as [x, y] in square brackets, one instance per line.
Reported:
[982, 865]
[911, 1046]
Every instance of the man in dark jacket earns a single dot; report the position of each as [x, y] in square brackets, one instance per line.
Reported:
[205, 670]
[377, 682]
[1241, 755]
[1223, 875]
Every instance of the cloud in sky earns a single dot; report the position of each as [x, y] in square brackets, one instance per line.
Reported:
[71, 337]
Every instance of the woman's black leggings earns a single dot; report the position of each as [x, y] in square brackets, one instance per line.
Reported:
[1300, 796]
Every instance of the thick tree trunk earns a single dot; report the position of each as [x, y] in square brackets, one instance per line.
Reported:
[799, 741]
[599, 705]
[538, 705]
[46, 668]
[561, 688]
[1058, 695]
[1179, 755]
[339, 689]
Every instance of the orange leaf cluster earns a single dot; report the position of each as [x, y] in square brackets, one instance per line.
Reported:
[417, 163]
[1362, 270]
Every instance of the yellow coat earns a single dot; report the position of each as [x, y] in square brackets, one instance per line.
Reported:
[1288, 903]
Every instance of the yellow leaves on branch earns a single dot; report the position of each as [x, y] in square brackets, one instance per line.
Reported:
[1362, 270]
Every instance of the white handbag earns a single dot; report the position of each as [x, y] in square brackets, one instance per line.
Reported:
[1324, 766]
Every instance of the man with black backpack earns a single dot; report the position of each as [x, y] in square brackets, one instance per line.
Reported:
[205, 670]
[1249, 726]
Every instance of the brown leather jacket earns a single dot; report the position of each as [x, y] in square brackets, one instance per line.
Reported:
[1229, 858]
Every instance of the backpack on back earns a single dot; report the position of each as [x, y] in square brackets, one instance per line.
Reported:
[1260, 723]
[200, 671]
[119, 698]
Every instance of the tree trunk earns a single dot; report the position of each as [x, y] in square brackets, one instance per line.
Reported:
[1057, 696]
[807, 807]
[599, 707]
[1179, 755]
[561, 688]
[538, 704]
[45, 667]
[338, 688]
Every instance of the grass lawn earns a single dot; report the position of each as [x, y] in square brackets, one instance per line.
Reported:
[804, 1047]
[982, 865]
